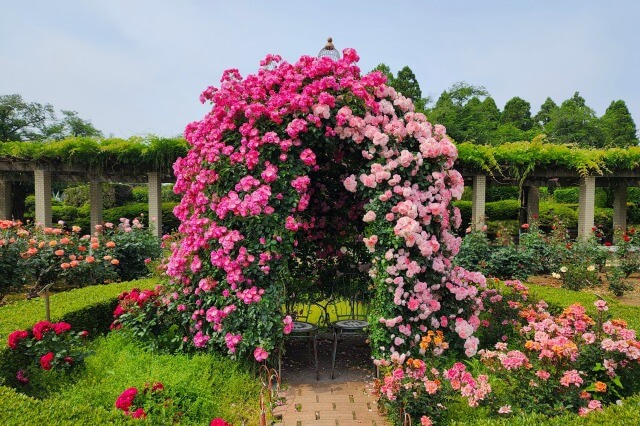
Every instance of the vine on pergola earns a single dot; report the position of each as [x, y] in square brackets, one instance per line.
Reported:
[307, 178]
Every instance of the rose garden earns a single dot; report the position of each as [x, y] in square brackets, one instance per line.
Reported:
[308, 183]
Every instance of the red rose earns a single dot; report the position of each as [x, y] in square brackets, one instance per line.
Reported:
[139, 414]
[219, 422]
[40, 328]
[607, 244]
[83, 333]
[45, 360]
[126, 398]
[157, 387]
[61, 327]
[15, 337]
[68, 360]
[525, 226]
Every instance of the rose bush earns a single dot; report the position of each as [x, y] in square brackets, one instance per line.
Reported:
[47, 346]
[291, 165]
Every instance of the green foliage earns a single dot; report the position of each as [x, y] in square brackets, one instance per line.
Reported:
[576, 124]
[499, 193]
[150, 153]
[71, 306]
[517, 112]
[113, 194]
[132, 250]
[618, 126]
[572, 195]
[551, 213]
[21, 120]
[502, 210]
[19, 409]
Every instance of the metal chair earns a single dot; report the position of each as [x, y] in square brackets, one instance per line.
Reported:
[304, 327]
[350, 320]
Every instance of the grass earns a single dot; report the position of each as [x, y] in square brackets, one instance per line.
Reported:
[201, 387]
[564, 298]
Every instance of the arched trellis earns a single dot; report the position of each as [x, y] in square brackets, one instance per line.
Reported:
[278, 154]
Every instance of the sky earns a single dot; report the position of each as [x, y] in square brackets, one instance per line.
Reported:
[138, 67]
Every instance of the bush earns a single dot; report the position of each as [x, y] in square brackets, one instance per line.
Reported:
[135, 247]
[503, 210]
[140, 194]
[499, 193]
[572, 196]
[113, 195]
[550, 213]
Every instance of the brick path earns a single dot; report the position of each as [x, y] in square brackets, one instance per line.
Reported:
[335, 404]
[340, 402]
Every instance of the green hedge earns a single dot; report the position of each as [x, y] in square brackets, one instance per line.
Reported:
[83, 307]
[572, 196]
[19, 409]
[81, 216]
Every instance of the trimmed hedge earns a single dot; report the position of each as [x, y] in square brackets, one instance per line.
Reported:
[84, 307]
[19, 409]
[81, 216]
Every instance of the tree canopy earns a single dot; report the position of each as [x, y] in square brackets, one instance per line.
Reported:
[32, 121]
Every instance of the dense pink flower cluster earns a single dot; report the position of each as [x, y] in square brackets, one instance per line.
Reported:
[252, 197]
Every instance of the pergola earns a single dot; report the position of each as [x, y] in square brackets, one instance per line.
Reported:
[534, 165]
[540, 177]
[43, 174]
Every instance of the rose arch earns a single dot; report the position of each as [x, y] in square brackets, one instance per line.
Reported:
[304, 174]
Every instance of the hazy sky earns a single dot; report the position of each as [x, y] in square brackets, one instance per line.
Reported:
[137, 67]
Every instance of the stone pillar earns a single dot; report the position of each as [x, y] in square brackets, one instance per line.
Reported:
[620, 207]
[43, 196]
[155, 203]
[533, 202]
[586, 208]
[5, 199]
[478, 202]
[95, 202]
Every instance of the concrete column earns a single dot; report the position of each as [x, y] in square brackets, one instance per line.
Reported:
[43, 196]
[95, 202]
[5, 199]
[478, 202]
[586, 208]
[533, 202]
[620, 207]
[155, 203]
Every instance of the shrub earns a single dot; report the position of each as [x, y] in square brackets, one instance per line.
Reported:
[498, 193]
[503, 210]
[113, 194]
[140, 194]
[551, 213]
[135, 247]
[572, 196]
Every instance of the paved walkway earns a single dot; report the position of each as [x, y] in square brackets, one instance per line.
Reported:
[344, 401]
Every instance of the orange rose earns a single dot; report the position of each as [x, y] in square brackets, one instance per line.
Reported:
[115, 262]
[110, 244]
[600, 387]
[90, 259]
[59, 252]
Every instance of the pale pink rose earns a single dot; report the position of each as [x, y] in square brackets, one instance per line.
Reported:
[370, 216]
[350, 183]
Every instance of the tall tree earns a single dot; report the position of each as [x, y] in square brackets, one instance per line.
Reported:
[21, 121]
[618, 126]
[547, 109]
[406, 83]
[575, 123]
[459, 109]
[517, 111]
[74, 126]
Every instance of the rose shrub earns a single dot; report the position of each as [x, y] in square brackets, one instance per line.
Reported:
[294, 163]
[47, 346]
